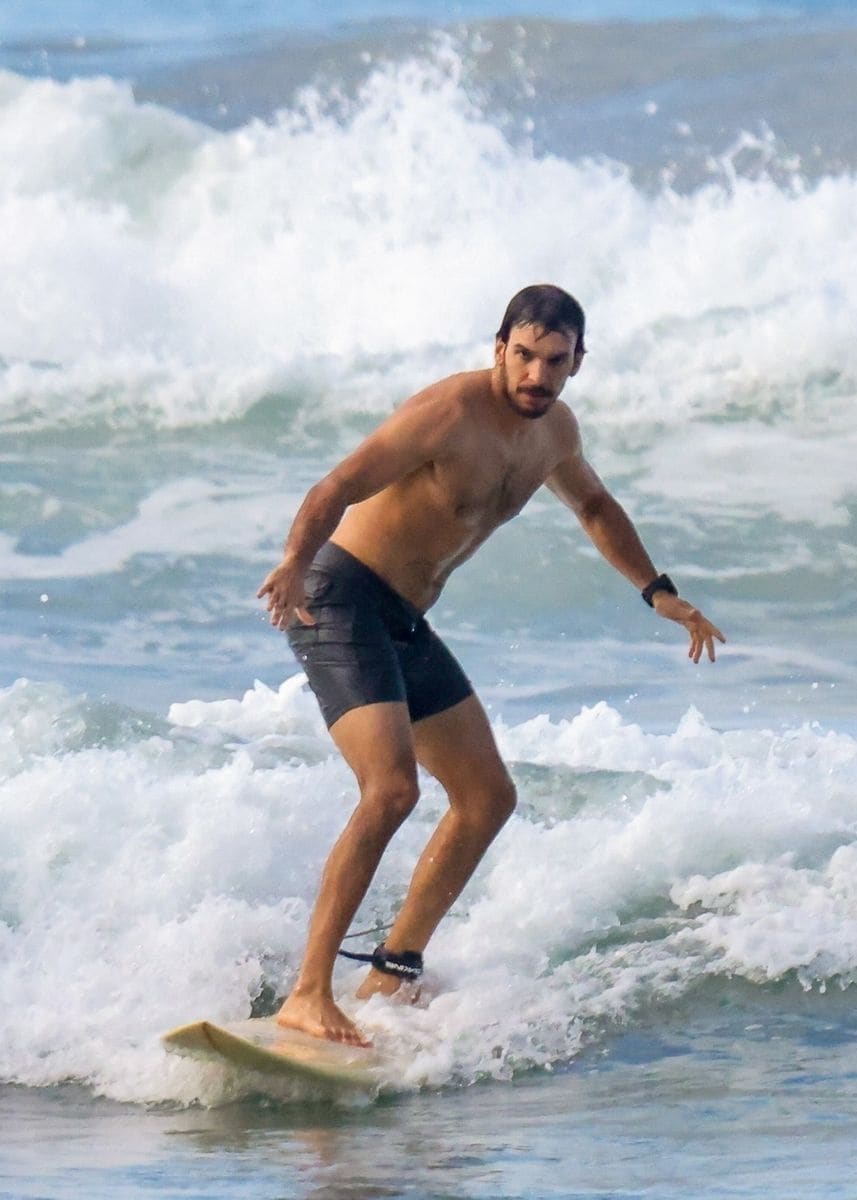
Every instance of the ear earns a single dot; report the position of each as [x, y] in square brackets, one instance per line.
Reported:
[577, 362]
[499, 352]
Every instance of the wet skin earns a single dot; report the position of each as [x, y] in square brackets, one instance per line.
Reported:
[415, 500]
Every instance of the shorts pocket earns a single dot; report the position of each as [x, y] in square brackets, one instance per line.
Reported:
[302, 637]
[316, 585]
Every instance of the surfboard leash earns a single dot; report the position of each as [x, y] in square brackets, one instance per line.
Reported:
[408, 965]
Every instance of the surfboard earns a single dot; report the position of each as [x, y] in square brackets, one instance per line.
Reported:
[260, 1044]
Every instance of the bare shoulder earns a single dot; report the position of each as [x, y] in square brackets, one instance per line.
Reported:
[573, 479]
[455, 389]
[426, 427]
[448, 403]
[565, 430]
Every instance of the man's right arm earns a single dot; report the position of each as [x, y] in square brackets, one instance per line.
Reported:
[319, 514]
[406, 440]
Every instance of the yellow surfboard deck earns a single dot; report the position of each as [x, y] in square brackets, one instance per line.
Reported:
[260, 1044]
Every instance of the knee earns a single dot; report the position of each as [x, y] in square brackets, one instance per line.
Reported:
[384, 805]
[505, 798]
[493, 803]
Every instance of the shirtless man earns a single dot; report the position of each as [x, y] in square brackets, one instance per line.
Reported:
[369, 551]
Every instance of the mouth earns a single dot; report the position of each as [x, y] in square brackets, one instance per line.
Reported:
[533, 402]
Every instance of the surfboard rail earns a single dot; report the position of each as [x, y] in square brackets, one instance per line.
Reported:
[259, 1044]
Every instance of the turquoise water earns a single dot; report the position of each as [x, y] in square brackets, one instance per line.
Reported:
[240, 238]
[747, 1101]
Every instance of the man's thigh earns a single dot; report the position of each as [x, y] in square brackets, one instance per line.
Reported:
[457, 747]
[345, 670]
[434, 679]
[376, 740]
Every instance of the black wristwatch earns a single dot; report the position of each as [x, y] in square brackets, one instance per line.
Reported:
[663, 583]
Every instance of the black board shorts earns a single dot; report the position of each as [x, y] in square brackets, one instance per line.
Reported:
[369, 645]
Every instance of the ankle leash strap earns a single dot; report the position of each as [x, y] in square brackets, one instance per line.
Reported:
[406, 965]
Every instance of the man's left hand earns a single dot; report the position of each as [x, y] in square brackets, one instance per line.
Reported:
[702, 632]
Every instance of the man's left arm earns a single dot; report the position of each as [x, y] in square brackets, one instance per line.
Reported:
[613, 534]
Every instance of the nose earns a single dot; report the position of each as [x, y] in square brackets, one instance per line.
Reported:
[536, 371]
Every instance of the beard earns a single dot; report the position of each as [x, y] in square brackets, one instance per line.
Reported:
[530, 403]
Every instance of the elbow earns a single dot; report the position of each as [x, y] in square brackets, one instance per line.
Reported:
[592, 509]
[330, 493]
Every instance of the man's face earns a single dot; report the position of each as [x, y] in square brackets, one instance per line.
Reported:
[534, 366]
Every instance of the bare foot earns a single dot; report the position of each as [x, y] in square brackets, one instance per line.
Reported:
[380, 983]
[321, 1018]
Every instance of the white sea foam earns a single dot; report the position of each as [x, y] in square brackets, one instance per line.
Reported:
[163, 878]
[167, 275]
[165, 272]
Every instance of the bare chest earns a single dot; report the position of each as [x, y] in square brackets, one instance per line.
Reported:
[486, 487]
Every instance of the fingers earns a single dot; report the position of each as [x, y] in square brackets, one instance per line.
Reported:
[268, 585]
[703, 639]
[275, 605]
[696, 647]
[280, 607]
[281, 617]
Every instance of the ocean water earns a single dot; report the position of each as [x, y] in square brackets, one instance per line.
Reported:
[232, 239]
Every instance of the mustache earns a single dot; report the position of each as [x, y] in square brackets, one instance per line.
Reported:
[537, 392]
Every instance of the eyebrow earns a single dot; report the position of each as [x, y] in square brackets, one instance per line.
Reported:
[553, 358]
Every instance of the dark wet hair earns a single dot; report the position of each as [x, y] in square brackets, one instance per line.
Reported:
[549, 307]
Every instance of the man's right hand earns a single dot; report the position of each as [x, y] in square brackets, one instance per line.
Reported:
[284, 588]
